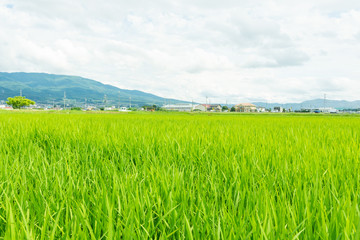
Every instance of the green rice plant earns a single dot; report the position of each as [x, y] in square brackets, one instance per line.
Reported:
[179, 176]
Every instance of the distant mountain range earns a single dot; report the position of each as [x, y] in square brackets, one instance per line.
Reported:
[316, 103]
[48, 88]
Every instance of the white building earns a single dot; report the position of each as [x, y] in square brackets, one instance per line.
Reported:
[124, 109]
[260, 109]
[328, 110]
[320, 110]
[110, 108]
[200, 107]
[181, 107]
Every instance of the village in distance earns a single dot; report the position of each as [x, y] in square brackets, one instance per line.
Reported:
[176, 107]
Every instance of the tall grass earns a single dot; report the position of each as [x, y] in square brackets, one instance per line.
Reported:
[179, 176]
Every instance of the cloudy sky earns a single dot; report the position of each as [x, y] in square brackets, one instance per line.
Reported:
[229, 50]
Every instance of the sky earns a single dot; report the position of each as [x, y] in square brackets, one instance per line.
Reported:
[229, 51]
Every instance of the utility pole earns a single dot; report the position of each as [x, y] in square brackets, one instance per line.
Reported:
[20, 92]
[192, 103]
[105, 100]
[64, 100]
[85, 103]
[324, 101]
[3, 94]
[130, 101]
[119, 100]
[206, 104]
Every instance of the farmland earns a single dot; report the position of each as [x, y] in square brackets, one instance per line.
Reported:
[193, 176]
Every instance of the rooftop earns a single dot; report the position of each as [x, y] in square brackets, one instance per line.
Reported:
[245, 105]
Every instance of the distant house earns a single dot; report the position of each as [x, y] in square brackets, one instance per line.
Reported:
[278, 109]
[214, 108]
[200, 107]
[124, 109]
[181, 107]
[5, 107]
[150, 108]
[208, 107]
[110, 108]
[91, 108]
[245, 107]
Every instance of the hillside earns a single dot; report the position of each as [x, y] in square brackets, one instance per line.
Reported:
[48, 88]
[316, 103]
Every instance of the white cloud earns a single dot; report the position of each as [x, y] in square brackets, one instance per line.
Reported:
[227, 50]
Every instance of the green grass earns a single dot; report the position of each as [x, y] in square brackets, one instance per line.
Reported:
[179, 176]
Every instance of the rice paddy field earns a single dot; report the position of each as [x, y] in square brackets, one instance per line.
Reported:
[179, 176]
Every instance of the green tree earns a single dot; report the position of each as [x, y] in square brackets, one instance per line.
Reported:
[224, 108]
[232, 109]
[157, 108]
[18, 102]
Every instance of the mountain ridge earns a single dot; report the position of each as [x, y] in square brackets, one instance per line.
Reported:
[315, 103]
[45, 88]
